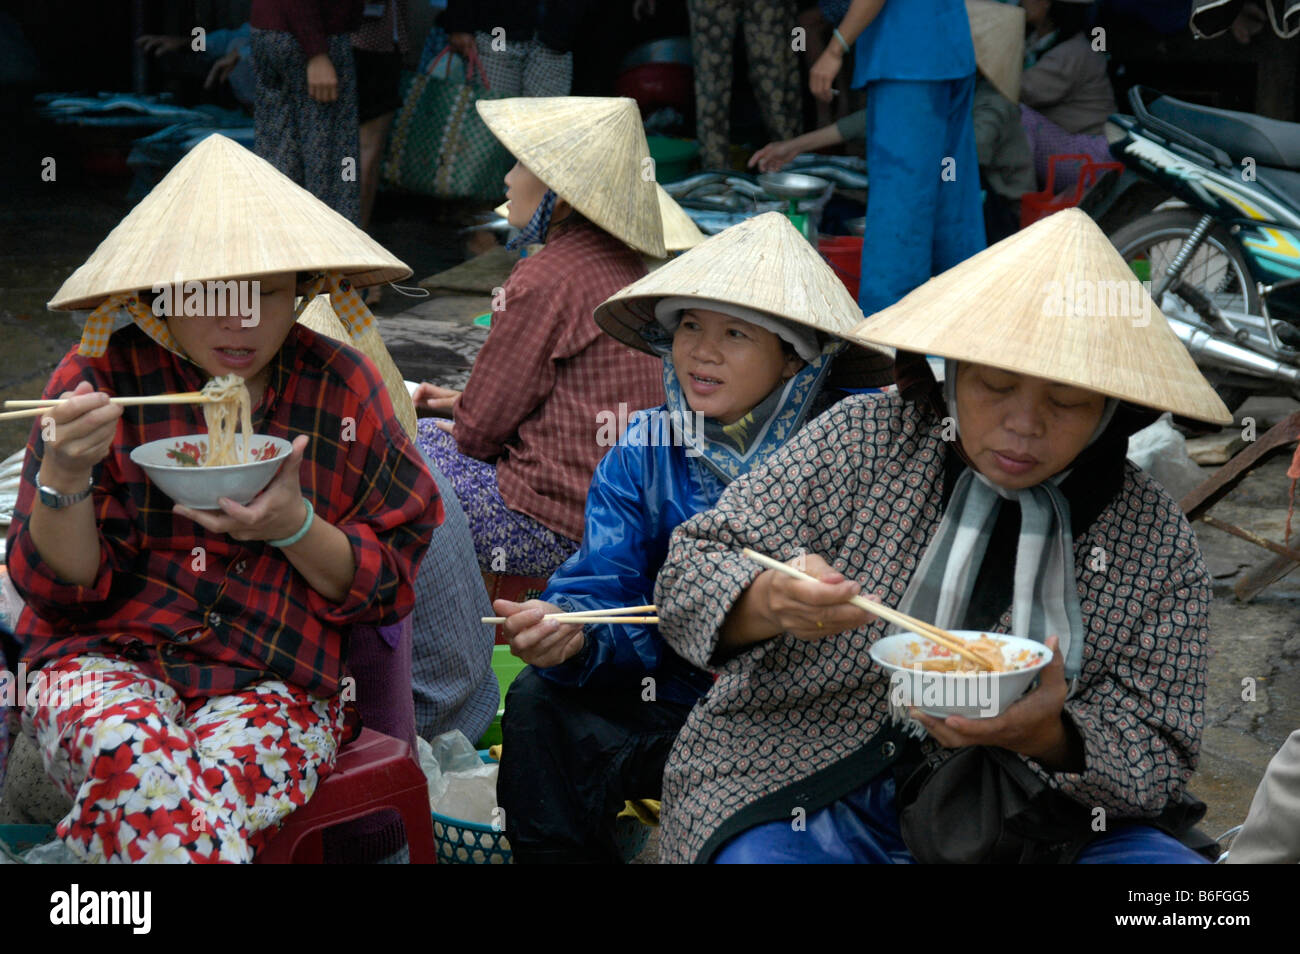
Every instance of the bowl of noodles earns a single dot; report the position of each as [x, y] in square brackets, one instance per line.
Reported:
[941, 683]
[197, 470]
[178, 467]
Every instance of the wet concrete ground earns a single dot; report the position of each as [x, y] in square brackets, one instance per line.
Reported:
[48, 229]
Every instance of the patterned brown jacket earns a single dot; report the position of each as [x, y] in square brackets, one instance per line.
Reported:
[790, 724]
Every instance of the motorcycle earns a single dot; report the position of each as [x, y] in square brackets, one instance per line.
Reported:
[1223, 260]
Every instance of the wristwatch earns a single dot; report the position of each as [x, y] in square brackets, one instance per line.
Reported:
[57, 501]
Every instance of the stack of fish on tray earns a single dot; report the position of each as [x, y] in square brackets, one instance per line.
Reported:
[716, 200]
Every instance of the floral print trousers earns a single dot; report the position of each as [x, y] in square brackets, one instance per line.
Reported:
[156, 778]
[773, 70]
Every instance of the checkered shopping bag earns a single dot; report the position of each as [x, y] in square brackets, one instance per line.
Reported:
[440, 145]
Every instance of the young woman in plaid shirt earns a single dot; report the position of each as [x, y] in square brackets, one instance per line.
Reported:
[210, 645]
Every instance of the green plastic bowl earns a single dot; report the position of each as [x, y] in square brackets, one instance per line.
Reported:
[673, 157]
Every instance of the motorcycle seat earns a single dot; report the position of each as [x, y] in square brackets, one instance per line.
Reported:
[1270, 142]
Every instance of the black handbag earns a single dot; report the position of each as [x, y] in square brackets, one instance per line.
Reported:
[985, 805]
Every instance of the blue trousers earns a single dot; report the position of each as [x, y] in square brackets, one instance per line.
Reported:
[923, 204]
[862, 828]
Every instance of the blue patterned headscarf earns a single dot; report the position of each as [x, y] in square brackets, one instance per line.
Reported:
[730, 450]
[535, 231]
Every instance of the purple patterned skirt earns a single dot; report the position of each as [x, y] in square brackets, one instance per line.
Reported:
[506, 541]
[1048, 139]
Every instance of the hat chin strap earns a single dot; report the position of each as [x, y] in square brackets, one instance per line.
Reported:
[99, 326]
[347, 304]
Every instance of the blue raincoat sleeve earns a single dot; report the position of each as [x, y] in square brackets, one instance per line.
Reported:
[629, 518]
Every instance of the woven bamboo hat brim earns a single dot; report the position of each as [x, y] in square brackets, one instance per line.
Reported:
[998, 32]
[224, 213]
[762, 263]
[680, 231]
[320, 318]
[1053, 301]
[592, 152]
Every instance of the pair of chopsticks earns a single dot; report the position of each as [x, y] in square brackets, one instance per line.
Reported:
[619, 614]
[36, 408]
[923, 629]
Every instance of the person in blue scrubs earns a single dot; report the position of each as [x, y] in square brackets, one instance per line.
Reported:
[916, 61]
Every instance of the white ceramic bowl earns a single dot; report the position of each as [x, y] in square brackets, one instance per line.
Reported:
[201, 487]
[978, 695]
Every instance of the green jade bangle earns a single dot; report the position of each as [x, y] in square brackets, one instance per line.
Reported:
[839, 36]
[302, 531]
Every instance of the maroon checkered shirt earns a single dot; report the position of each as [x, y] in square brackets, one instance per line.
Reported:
[211, 622]
[546, 372]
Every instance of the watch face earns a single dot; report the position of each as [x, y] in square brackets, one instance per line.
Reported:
[57, 501]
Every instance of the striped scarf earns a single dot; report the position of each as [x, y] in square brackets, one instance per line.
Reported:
[1045, 599]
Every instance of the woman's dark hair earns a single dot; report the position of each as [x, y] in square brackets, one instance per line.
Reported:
[1068, 18]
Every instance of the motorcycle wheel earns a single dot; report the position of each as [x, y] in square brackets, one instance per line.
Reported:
[1218, 269]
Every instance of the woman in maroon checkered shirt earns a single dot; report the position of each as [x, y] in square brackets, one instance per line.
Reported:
[524, 443]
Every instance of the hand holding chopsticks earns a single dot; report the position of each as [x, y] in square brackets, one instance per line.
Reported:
[619, 614]
[37, 408]
[923, 629]
[544, 635]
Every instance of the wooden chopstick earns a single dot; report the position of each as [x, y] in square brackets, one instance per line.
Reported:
[618, 614]
[616, 611]
[182, 397]
[580, 618]
[926, 630]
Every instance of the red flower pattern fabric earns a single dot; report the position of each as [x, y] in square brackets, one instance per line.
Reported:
[156, 779]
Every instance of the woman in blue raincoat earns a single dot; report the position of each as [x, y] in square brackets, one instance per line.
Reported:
[747, 353]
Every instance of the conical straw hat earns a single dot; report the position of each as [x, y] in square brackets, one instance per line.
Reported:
[224, 213]
[680, 231]
[998, 33]
[320, 318]
[762, 263]
[1054, 301]
[592, 152]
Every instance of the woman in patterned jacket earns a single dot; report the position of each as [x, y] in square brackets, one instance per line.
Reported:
[1006, 505]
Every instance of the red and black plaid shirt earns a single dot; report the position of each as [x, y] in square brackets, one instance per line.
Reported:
[211, 621]
[547, 371]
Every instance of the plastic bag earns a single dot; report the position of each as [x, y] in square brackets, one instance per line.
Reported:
[461, 785]
[1162, 452]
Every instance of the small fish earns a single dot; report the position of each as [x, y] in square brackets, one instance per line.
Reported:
[852, 163]
[843, 178]
[730, 202]
[712, 222]
[708, 188]
[682, 186]
[746, 187]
